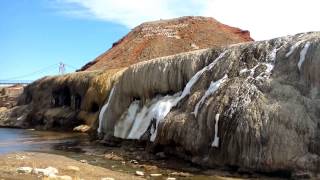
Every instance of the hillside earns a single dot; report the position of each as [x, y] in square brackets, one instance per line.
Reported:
[167, 37]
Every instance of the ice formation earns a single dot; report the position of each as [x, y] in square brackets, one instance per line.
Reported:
[215, 142]
[135, 124]
[196, 77]
[122, 128]
[292, 48]
[214, 86]
[272, 56]
[103, 109]
[303, 53]
[154, 112]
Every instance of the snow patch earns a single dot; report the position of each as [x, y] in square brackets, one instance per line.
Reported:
[243, 71]
[303, 53]
[215, 142]
[292, 48]
[214, 86]
[272, 56]
[136, 122]
[103, 109]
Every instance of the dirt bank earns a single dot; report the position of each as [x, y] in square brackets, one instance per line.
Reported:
[66, 166]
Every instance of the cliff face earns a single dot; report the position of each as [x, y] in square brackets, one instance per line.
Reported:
[167, 37]
[251, 105]
[8, 95]
[63, 102]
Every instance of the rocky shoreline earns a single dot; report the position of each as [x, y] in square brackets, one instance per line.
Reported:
[126, 162]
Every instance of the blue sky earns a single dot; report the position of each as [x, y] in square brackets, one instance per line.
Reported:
[35, 36]
[38, 34]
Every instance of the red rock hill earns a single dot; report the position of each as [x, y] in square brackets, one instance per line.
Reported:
[166, 37]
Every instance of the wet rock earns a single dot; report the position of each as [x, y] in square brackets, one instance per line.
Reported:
[138, 157]
[302, 175]
[113, 156]
[161, 155]
[181, 174]
[155, 175]
[82, 128]
[139, 173]
[83, 161]
[131, 149]
[171, 178]
[134, 161]
[14, 117]
[25, 170]
[148, 167]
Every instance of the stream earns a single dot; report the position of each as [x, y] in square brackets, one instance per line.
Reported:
[78, 146]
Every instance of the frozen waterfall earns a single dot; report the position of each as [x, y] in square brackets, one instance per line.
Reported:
[138, 121]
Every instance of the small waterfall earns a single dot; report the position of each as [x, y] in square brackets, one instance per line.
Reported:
[303, 54]
[215, 142]
[103, 109]
[214, 86]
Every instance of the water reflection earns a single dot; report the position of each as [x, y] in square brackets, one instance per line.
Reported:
[13, 140]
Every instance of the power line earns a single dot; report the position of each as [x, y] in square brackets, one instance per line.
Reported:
[42, 70]
[71, 67]
[33, 73]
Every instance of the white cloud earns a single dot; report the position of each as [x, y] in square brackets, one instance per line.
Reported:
[127, 12]
[263, 18]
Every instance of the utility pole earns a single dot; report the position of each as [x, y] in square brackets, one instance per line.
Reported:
[62, 68]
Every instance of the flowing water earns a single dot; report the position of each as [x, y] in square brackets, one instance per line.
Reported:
[78, 146]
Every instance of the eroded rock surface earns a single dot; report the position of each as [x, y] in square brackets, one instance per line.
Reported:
[251, 105]
[65, 102]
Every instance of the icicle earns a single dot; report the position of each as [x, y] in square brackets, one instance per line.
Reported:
[123, 127]
[215, 142]
[103, 109]
[157, 110]
[292, 48]
[303, 53]
[196, 77]
[214, 86]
